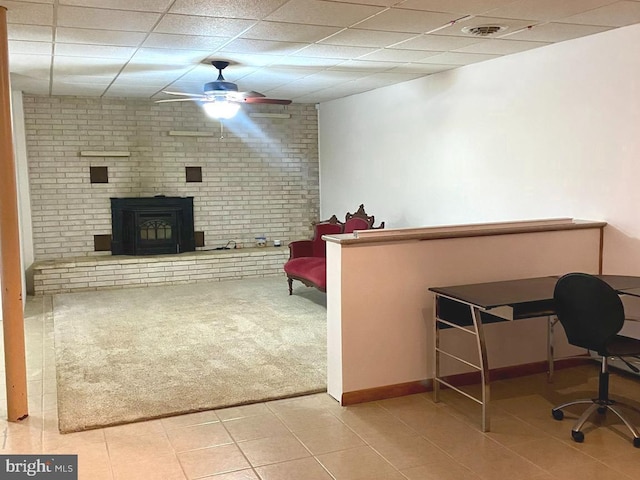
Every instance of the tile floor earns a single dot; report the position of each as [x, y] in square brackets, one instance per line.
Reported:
[313, 438]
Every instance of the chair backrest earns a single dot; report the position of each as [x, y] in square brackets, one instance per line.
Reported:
[589, 310]
[323, 228]
[359, 221]
[356, 223]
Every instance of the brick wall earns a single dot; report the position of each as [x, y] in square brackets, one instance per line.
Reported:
[260, 178]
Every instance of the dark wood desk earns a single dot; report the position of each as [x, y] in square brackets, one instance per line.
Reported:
[469, 307]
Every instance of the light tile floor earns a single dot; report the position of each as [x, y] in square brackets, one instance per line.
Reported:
[313, 438]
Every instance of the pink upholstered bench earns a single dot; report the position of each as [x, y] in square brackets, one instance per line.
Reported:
[307, 258]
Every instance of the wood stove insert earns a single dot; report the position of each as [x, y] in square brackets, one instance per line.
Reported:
[152, 225]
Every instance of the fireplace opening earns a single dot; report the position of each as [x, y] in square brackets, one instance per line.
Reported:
[152, 225]
[155, 229]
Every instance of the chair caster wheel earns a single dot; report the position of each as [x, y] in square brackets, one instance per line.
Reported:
[578, 437]
[636, 442]
[557, 414]
[602, 410]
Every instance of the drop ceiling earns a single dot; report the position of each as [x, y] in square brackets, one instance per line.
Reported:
[308, 51]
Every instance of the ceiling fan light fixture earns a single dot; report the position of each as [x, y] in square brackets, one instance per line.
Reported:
[221, 109]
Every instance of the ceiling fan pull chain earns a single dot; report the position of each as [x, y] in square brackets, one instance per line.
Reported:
[221, 130]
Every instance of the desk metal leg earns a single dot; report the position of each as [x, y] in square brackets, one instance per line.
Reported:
[551, 322]
[436, 357]
[484, 367]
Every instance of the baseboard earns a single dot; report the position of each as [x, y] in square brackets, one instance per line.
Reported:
[421, 386]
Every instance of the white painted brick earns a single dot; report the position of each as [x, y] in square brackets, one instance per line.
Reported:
[243, 175]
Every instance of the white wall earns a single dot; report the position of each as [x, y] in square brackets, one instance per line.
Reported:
[22, 185]
[22, 178]
[551, 132]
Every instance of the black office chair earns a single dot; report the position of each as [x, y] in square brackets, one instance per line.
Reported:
[592, 314]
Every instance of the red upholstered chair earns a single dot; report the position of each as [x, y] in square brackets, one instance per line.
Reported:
[307, 258]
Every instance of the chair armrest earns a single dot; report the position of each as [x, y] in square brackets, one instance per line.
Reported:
[300, 248]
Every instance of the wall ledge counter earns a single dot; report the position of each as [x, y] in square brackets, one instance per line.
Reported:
[462, 230]
[380, 311]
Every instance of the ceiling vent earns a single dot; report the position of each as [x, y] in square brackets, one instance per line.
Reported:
[484, 30]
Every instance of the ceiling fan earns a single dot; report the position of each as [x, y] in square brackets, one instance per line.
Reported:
[221, 99]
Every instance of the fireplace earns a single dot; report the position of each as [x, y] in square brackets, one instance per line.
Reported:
[152, 225]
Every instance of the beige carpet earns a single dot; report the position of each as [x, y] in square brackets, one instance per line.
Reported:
[141, 353]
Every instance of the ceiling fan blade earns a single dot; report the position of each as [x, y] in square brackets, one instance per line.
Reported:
[178, 100]
[251, 94]
[199, 95]
[274, 101]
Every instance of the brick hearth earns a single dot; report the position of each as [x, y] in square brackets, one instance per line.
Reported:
[93, 273]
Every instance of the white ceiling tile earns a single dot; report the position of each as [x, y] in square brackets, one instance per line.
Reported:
[185, 87]
[28, 13]
[308, 61]
[136, 5]
[498, 46]
[440, 43]
[326, 79]
[409, 21]
[384, 79]
[457, 28]
[98, 37]
[422, 68]
[294, 89]
[80, 78]
[365, 66]
[165, 57]
[320, 12]
[546, 10]
[394, 55]
[458, 58]
[366, 38]
[289, 32]
[275, 77]
[79, 89]
[103, 19]
[107, 51]
[30, 48]
[556, 32]
[462, 7]
[334, 51]
[33, 33]
[100, 67]
[244, 45]
[250, 9]
[184, 42]
[37, 86]
[117, 90]
[618, 14]
[36, 66]
[341, 39]
[190, 25]
[137, 75]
